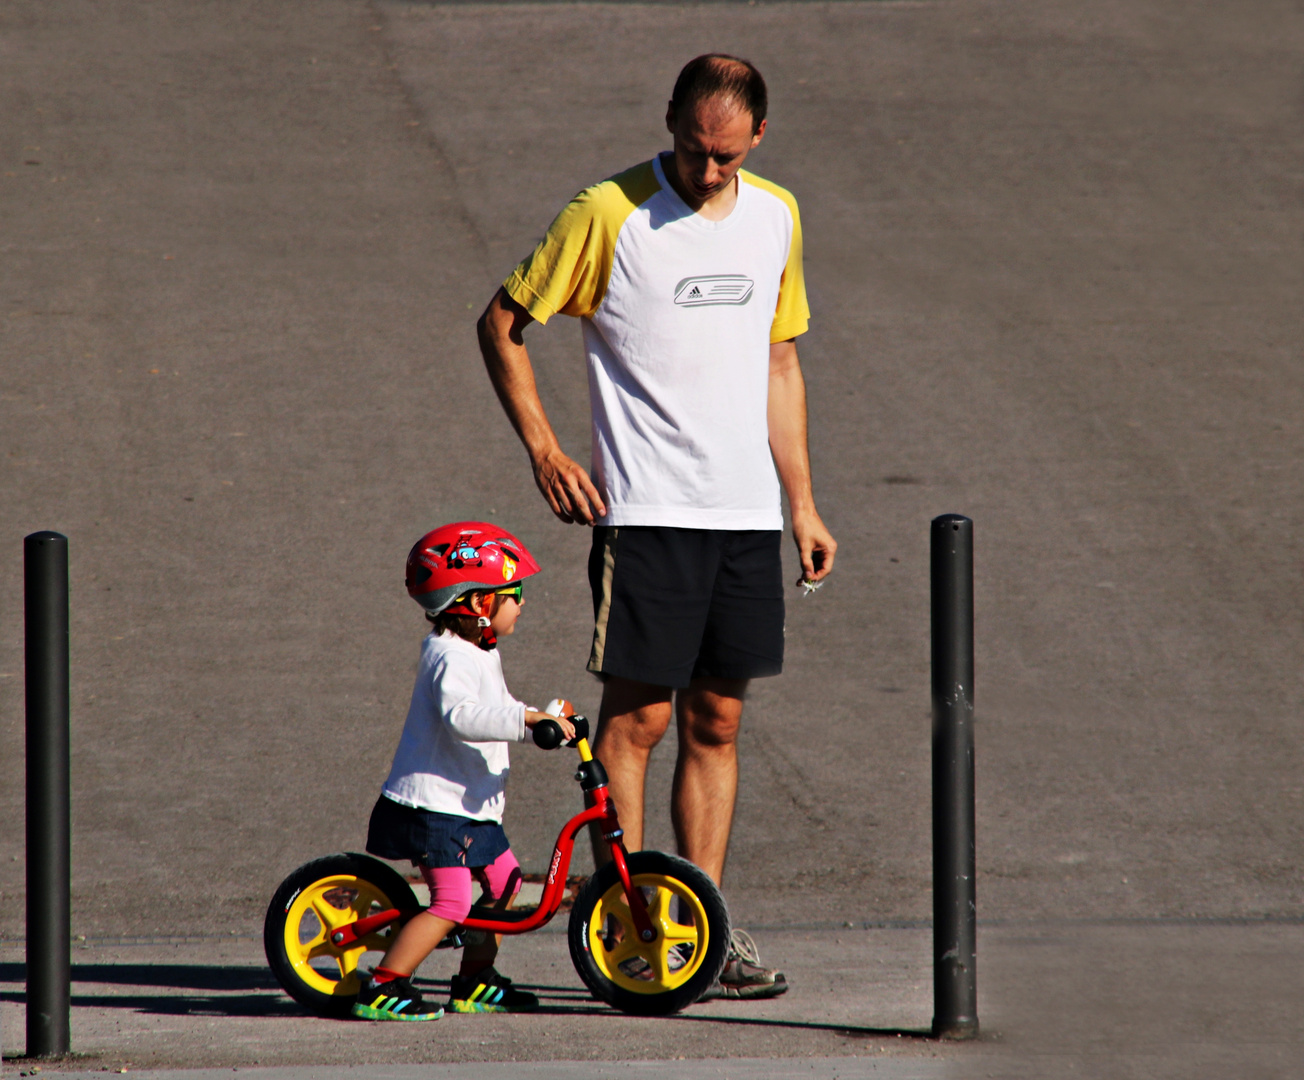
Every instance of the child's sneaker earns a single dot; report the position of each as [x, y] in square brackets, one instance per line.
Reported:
[395, 999]
[489, 992]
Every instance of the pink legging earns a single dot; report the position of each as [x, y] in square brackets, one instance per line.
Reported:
[450, 886]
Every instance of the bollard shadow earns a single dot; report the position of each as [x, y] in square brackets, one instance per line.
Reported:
[174, 976]
[224, 990]
[850, 1031]
[231, 1005]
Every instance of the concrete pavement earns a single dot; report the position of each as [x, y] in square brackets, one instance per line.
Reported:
[738, 1068]
[213, 1002]
[1053, 255]
[1106, 1000]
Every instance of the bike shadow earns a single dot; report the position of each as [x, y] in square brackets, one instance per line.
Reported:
[553, 1000]
[577, 1001]
[588, 1007]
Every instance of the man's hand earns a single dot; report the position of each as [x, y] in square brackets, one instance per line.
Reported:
[815, 546]
[787, 421]
[568, 489]
[564, 484]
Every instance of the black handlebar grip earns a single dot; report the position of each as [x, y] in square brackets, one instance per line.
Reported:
[547, 735]
[581, 728]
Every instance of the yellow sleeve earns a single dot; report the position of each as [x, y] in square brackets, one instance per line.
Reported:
[567, 273]
[792, 313]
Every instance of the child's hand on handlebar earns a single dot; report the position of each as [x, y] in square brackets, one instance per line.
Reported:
[567, 728]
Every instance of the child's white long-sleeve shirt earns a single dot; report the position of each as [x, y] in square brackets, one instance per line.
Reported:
[452, 755]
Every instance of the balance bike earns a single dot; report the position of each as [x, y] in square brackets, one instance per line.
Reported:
[649, 932]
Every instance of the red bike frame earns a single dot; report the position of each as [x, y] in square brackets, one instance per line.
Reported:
[505, 921]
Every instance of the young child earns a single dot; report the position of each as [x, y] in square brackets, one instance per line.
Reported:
[442, 806]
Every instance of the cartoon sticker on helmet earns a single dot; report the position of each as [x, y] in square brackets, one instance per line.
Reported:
[463, 552]
[509, 567]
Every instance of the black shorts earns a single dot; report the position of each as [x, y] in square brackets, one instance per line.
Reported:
[671, 605]
[430, 839]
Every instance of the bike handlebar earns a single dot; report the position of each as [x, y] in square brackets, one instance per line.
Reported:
[548, 736]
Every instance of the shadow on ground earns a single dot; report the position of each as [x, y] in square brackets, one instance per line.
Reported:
[176, 976]
[226, 981]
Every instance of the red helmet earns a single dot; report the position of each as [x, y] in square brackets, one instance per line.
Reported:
[459, 558]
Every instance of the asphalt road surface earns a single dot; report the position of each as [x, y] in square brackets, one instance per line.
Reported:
[1053, 256]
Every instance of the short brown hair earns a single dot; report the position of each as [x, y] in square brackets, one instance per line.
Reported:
[467, 627]
[721, 75]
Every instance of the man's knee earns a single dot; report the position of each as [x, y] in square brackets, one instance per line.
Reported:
[643, 729]
[634, 713]
[711, 712]
[709, 731]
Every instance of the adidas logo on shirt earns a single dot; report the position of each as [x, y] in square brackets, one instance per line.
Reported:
[714, 289]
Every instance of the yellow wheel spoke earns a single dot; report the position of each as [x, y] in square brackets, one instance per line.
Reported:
[331, 917]
[658, 909]
[617, 910]
[621, 914]
[655, 955]
[322, 948]
[669, 927]
[624, 950]
[677, 933]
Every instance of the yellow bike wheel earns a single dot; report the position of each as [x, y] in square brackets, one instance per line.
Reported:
[313, 902]
[691, 925]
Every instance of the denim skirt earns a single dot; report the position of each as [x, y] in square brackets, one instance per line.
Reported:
[430, 839]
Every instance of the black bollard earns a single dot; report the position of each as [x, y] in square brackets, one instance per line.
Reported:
[49, 855]
[955, 913]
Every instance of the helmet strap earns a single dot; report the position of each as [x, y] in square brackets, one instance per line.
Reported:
[488, 639]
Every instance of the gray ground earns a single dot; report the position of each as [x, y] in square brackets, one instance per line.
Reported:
[1053, 252]
[1114, 1001]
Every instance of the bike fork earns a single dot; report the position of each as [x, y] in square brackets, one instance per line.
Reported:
[637, 905]
[593, 779]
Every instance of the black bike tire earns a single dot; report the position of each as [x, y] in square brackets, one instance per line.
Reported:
[382, 877]
[671, 1000]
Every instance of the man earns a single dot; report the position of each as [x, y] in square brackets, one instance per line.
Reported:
[686, 274]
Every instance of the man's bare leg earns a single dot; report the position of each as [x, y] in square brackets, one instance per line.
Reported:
[706, 773]
[635, 717]
[706, 784]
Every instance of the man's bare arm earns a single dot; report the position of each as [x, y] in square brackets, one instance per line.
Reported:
[787, 423]
[564, 483]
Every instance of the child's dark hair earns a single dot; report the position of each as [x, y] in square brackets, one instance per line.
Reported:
[467, 627]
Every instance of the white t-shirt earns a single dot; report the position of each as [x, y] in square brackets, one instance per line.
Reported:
[679, 313]
[452, 755]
